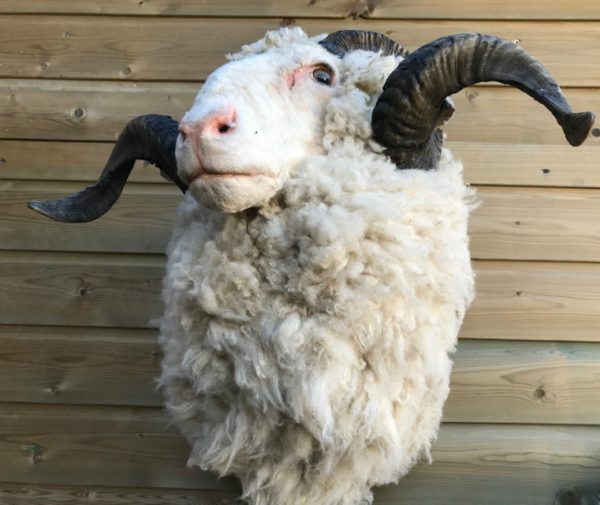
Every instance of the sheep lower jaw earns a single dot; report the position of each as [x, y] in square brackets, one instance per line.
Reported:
[233, 192]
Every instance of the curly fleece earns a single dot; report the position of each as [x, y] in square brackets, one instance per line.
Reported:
[306, 342]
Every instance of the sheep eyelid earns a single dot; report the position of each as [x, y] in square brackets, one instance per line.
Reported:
[323, 74]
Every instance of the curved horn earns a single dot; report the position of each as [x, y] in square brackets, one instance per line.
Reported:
[344, 41]
[405, 116]
[151, 138]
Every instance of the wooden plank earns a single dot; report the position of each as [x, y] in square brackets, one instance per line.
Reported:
[529, 164]
[64, 110]
[75, 290]
[485, 163]
[533, 224]
[525, 301]
[32, 494]
[91, 366]
[140, 222]
[130, 447]
[535, 301]
[67, 161]
[491, 464]
[511, 223]
[525, 382]
[434, 9]
[515, 300]
[497, 382]
[96, 446]
[98, 111]
[84, 47]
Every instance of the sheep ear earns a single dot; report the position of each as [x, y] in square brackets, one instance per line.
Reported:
[447, 110]
[151, 138]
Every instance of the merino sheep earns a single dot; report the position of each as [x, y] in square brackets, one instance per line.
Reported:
[314, 290]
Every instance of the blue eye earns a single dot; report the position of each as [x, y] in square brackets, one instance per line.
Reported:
[324, 75]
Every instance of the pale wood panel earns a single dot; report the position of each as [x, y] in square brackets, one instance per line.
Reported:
[511, 223]
[519, 301]
[130, 447]
[97, 446]
[535, 301]
[65, 110]
[513, 382]
[434, 9]
[75, 290]
[529, 164]
[34, 494]
[485, 163]
[91, 366]
[535, 224]
[525, 382]
[71, 161]
[76, 110]
[189, 49]
[494, 465]
[140, 222]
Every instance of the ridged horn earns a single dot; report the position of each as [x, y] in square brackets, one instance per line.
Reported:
[405, 116]
[344, 41]
[151, 138]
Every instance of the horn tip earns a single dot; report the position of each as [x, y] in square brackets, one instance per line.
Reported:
[53, 210]
[577, 127]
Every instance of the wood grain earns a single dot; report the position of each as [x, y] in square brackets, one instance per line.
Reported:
[535, 301]
[98, 111]
[78, 446]
[180, 49]
[63, 161]
[419, 9]
[511, 223]
[95, 446]
[535, 224]
[519, 301]
[525, 382]
[140, 222]
[498, 164]
[71, 365]
[488, 463]
[74, 290]
[32, 494]
[515, 300]
[496, 382]
[484, 163]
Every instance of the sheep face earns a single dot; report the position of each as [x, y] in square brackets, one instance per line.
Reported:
[252, 123]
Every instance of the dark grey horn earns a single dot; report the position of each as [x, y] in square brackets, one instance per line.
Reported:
[344, 41]
[408, 111]
[151, 138]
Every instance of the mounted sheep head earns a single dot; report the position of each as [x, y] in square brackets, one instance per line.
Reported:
[259, 115]
[306, 344]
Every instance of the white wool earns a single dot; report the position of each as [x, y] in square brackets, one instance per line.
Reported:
[306, 342]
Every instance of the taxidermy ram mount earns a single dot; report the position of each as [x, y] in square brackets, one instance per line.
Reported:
[319, 268]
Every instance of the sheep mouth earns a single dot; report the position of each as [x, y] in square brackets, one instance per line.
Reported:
[209, 174]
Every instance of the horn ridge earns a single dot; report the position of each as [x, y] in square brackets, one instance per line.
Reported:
[407, 111]
[344, 41]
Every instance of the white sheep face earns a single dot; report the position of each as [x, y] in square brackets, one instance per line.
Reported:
[253, 122]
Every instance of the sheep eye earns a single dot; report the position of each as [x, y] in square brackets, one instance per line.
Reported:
[323, 75]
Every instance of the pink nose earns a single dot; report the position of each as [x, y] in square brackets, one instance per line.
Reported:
[215, 124]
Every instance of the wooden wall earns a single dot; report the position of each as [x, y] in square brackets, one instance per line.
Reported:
[80, 421]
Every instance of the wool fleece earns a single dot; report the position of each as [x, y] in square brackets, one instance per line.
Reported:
[306, 341]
